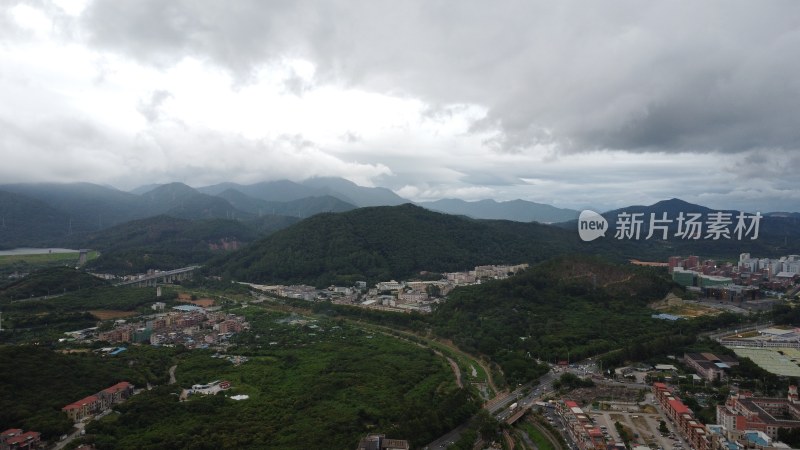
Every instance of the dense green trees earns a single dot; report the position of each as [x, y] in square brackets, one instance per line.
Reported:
[51, 281]
[321, 384]
[570, 381]
[382, 243]
[565, 308]
[47, 319]
[37, 382]
[162, 242]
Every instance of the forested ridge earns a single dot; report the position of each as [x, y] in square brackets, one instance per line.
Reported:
[383, 243]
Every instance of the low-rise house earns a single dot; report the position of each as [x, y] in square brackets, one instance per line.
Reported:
[16, 439]
[380, 442]
[710, 366]
[83, 408]
[99, 402]
[683, 417]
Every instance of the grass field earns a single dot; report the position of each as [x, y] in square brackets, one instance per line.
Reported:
[542, 443]
[780, 361]
[44, 258]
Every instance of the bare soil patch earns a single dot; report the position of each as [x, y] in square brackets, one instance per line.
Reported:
[108, 314]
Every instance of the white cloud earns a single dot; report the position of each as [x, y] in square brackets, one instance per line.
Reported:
[570, 104]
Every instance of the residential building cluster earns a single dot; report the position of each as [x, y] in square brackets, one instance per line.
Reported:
[99, 402]
[682, 417]
[744, 280]
[191, 326]
[403, 296]
[742, 422]
[17, 439]
[493, 272]
[580, 427]
[743, 412]
[392, 295]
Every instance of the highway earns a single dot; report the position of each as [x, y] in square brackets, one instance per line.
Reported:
[499, 407]
[526, 396]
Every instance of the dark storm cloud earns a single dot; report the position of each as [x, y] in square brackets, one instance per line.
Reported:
[685, 76]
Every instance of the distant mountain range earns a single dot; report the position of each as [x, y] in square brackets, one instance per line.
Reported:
[52, 213]
[517, 210]
[196, 222]
[779, 233]
[285, 191]
[42, 213]
[396, 242]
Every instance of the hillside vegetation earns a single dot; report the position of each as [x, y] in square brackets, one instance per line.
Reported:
[37, 382]
[56, 280]
[323, 384]
[164, 242]
[565, 308]
[382, 243]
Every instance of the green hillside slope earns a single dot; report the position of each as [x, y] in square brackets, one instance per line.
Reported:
[381, 243]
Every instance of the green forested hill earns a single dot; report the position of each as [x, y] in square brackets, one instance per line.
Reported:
[163, 242]
[381, 243]
[37, 382]
[569, 307]
[55, 280]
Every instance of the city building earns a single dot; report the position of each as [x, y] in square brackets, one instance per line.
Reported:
[713, 280]
[740, 281]
[211, 388]
[742, 412]
[583, 432]
[83, 408]
[99, 402]
[380, 442]
[710, 366]
[683, 417]
[16, 439]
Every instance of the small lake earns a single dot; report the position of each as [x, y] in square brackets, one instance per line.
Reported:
[35, 251]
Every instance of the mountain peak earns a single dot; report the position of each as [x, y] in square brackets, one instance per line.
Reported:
[174, 190]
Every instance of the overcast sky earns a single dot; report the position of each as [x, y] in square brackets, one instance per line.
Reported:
[575, 104]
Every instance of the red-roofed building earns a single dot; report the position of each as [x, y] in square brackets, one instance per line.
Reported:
[15, 439]
[117, 393]
[677, 408]
[11, 432]
[83, 408]
[680, 414]
[99, 402]
[744, 412]
[585, 435]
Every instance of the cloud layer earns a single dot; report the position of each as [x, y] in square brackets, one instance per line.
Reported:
[571, 103]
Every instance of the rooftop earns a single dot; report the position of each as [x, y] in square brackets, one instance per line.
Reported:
[754, 404]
